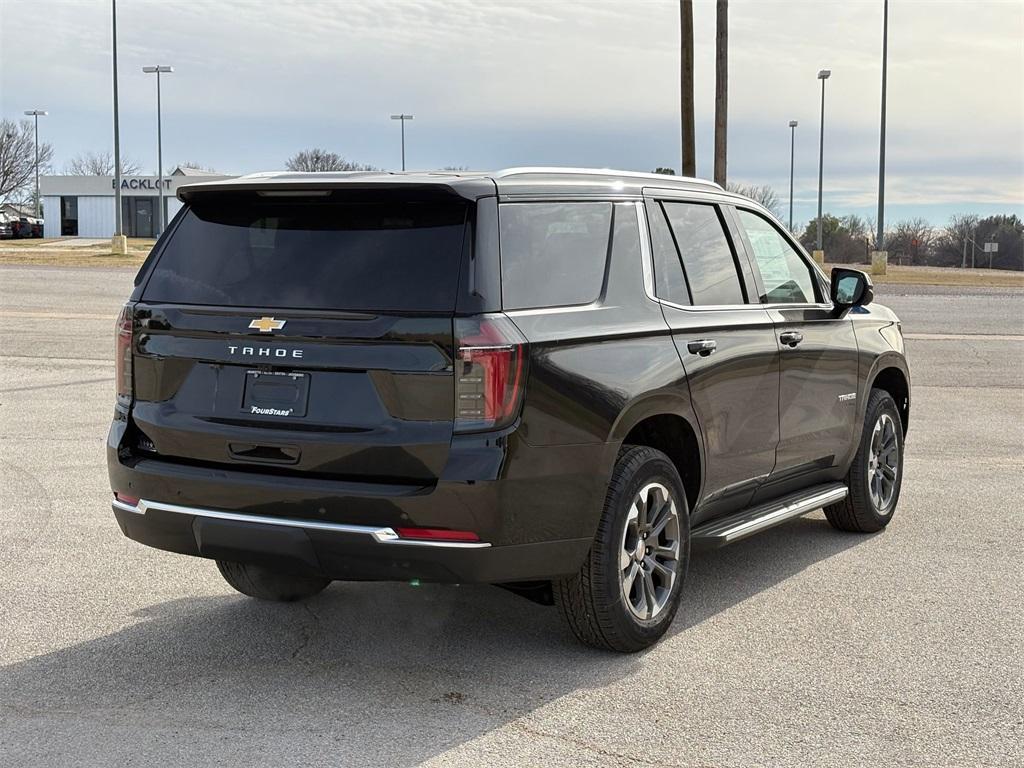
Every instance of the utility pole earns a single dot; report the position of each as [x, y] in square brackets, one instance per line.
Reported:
[689, 167]
[118, 244]
[34, 114]
[721, 87]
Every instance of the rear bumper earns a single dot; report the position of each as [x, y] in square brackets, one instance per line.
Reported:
[339, 551]
[534, 509]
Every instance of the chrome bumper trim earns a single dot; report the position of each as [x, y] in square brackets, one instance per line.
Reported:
[380, 534]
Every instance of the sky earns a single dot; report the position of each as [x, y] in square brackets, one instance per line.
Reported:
[493, 85]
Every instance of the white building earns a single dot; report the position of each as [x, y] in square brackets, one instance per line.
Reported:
[83, 206]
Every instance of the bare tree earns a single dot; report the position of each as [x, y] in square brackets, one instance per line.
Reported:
[18, 157]
[911, 238]
[98, 164]
[956, 235]
[856, 227]
[762, 194]
[317, 159]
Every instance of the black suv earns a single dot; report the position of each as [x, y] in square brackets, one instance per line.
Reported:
[553, 380]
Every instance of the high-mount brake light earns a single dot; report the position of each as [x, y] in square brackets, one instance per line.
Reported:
[489, 372]
[123, 355]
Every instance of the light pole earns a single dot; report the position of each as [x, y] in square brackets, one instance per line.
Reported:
[403, 118]
[879, 245]
[118, 242]
[159, 70]
[823, 75]
[792, 146]
[35, 113]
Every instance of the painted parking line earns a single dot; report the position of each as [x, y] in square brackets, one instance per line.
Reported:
[57, 315]
[962, 337]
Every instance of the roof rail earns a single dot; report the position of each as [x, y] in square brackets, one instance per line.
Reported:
[506, 172]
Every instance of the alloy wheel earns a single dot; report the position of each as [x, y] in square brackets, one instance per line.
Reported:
[649, 555]
[883, 463]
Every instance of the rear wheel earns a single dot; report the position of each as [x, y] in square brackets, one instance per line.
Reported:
[627, 591]
[267, 584]
[876, 473]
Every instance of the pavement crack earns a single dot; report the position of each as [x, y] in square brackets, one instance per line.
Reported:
[309, 629]
[619, 757]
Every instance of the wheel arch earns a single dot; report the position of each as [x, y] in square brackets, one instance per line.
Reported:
[893, 378]
[668, 425]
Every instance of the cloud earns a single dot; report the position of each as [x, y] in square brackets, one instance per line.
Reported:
[558, 82]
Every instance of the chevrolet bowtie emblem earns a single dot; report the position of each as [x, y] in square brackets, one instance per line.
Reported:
[267, 324]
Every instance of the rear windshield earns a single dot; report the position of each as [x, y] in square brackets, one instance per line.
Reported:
[399, 256]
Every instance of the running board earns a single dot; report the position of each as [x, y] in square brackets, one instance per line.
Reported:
[739, 525]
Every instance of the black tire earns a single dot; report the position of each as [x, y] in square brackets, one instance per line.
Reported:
[592, 600]
[266, 584]
[859, 511]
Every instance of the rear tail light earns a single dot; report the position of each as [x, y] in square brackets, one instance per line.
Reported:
[123, 355]
[489, 372]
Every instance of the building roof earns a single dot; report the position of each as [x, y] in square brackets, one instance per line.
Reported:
[468, 184]
[187, 170]
[12, 209]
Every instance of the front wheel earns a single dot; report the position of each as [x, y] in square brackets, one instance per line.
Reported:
[627, 591]
[876, 474]
[267, 584]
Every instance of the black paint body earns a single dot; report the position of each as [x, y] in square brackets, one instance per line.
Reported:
[377, 447]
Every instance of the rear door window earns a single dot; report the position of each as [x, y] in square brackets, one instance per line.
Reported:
[553, 254]
[669, 282]
[785, 275]
[708, 258]
[249, 252]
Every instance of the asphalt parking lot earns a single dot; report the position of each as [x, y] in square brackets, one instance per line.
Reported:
[802, 646]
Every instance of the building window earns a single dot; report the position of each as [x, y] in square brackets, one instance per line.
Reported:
[69, 216]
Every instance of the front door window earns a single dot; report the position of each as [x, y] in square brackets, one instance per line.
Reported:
[786, 276]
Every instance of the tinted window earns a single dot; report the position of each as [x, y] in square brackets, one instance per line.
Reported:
[786, 277]
[707, 256]
[553, 254]
[669, 283]
[626, 238]
[248, 252]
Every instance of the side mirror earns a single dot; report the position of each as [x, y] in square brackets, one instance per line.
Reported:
[850, 288]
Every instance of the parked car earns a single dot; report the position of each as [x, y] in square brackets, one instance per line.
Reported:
[36, 227]
[22, 227]
[553, 380]
[5, 227]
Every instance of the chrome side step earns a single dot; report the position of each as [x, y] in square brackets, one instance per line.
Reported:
[739, 525]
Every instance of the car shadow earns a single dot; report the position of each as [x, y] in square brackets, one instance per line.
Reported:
[377, 674]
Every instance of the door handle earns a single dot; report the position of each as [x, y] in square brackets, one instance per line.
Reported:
[702, 347]
[791, 338]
